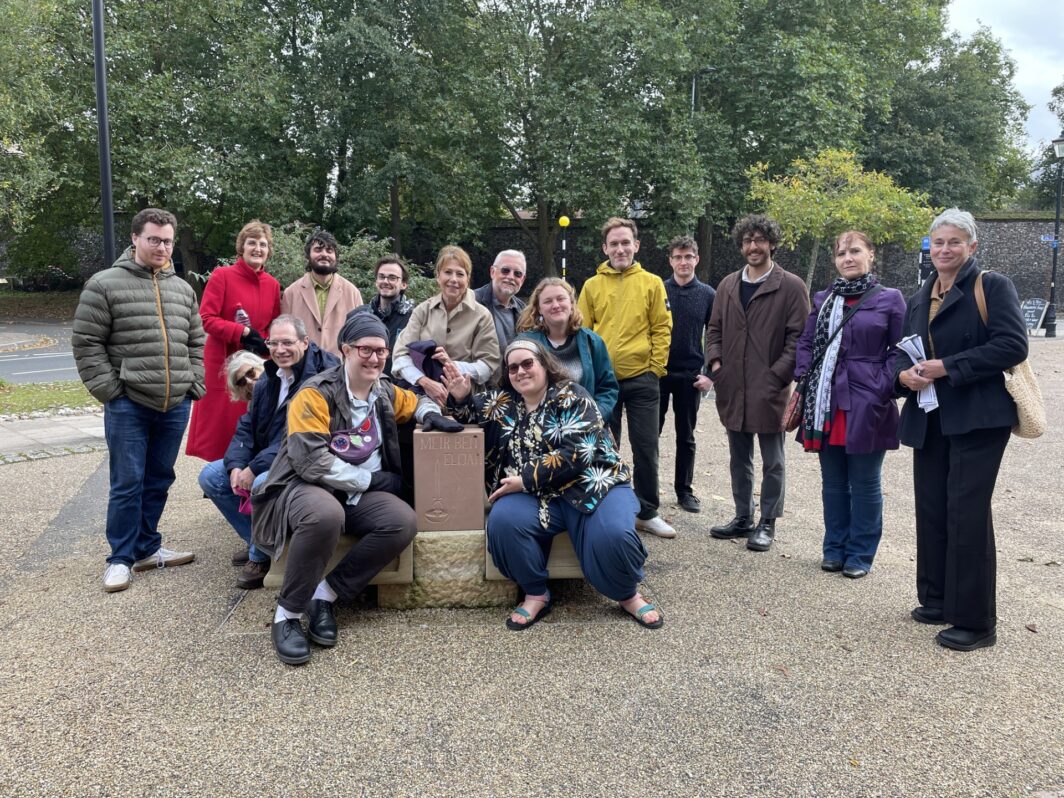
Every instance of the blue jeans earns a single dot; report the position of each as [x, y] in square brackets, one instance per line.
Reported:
[610, 552]
[853, 505]
[214, 481]
[143, 446]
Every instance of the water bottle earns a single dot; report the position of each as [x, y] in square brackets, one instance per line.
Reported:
[241, 316]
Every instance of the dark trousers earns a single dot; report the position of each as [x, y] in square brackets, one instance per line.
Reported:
[773, 472]
[640, 396]
[685, 401]
[142, 446]
[956, 562]
[383, 522]
[610, 552]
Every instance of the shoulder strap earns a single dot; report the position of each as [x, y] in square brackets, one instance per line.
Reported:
[875, 289]
[980, 297]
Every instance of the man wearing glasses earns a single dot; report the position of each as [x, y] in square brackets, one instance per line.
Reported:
[758, 315]
[691, 301]
[294, 359]
[322, 298]
[390, 305]
[138, 345]
[500, 295]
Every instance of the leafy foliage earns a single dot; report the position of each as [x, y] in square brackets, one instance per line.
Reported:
[819, 198]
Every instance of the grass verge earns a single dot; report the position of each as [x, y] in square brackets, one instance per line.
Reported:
[52, 305]
[26, 398]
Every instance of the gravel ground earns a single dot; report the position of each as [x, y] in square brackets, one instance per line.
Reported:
[769, 678]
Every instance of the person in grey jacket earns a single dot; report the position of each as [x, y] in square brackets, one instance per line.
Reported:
[138, 345]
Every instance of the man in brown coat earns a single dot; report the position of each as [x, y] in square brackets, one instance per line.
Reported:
[753, 332]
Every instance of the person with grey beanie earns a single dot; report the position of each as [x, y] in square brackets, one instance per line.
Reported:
[338, 471]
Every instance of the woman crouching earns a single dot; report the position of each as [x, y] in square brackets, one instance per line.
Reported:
[551, 467]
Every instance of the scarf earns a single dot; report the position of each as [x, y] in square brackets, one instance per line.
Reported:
[816, 412]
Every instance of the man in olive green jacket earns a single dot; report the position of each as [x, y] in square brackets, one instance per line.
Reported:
[138, 344]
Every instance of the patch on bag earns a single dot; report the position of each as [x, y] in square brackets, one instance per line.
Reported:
[357, 444]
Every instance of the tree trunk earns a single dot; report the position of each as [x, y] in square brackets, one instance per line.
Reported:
[704, 239]
[393, 198]
[190, 257]
[811, 269]
[546, 231]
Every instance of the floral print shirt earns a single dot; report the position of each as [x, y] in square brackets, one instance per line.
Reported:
[560, 449]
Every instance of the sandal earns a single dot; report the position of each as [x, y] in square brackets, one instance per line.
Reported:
[532, 620]
[638, 616]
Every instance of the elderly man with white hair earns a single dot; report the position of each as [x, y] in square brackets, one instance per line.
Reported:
[500, 295]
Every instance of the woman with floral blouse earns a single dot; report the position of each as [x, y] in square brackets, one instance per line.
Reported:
[551, 467]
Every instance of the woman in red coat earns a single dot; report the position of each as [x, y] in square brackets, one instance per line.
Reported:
[245, 286]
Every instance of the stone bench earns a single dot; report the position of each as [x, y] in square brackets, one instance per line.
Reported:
[448, 564]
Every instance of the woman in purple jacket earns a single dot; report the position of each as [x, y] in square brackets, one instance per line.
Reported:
[850, 418]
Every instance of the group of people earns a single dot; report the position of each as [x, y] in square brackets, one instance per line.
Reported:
[306, 402]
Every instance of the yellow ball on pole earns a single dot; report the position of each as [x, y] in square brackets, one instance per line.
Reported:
[563, 221]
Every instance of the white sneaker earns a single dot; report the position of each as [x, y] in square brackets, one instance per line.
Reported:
[164, 558]
[116, 577]
[655, 526]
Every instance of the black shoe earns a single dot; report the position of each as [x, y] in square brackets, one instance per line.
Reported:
[929, 615]
[966, 639]
[831, 566]
[322, 626]
[240, 556]
[738, 527]
[290, 642]
[690, 503]
[854, 572]
[763, 535]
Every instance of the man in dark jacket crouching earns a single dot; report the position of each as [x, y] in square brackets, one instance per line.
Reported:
[294, 359]
[338, 471]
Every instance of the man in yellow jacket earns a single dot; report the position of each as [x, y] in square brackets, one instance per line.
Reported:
[629, 309]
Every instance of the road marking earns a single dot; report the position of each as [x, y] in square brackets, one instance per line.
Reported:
[12, 358]
[43, 371]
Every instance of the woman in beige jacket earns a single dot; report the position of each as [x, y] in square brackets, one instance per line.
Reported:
[463, 330]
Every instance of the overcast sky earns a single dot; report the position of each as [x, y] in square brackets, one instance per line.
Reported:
[1033, 32]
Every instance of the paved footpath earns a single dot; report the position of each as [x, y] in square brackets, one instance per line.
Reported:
[770, 678]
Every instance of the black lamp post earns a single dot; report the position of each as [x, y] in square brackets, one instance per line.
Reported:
[1051, 312]
[106, 201]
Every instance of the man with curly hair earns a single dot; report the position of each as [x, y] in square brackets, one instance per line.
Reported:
[758, 314]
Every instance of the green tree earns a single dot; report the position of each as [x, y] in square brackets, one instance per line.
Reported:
[819, 198]
[954, 126]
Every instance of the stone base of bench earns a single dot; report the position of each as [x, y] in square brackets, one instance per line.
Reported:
[448, 572]
[398, 571]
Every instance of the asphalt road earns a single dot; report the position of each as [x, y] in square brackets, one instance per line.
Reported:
[39, 363]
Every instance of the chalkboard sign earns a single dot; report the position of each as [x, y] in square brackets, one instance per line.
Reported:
[1034, 311]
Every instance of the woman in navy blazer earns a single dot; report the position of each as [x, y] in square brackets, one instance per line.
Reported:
[850, 417]
[958, 446]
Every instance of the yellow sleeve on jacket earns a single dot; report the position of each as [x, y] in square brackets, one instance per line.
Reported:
[404, 405]
[660, 329]
[308, 412]
[585, 305]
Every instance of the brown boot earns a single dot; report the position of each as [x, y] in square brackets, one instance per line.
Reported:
[252, 574]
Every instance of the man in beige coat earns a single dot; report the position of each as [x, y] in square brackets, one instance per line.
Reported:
[751, 342]
[321, 298]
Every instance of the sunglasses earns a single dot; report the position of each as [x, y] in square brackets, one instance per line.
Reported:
[508, 270]
[249, 376]
[526, 364]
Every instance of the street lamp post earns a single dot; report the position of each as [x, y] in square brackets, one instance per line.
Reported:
[106, 201]
[1051, 312]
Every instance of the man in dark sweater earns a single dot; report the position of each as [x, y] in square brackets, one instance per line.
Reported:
[692, 302]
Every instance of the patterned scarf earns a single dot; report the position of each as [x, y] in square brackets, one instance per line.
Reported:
[816, 412]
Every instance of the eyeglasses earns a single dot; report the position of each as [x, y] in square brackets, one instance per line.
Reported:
[155, 242]
[287, 343]
[754, 240]
[388, 278]
[508, 270]
[249, 376]
[685, 257]
[526, 364]
[366, 352]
